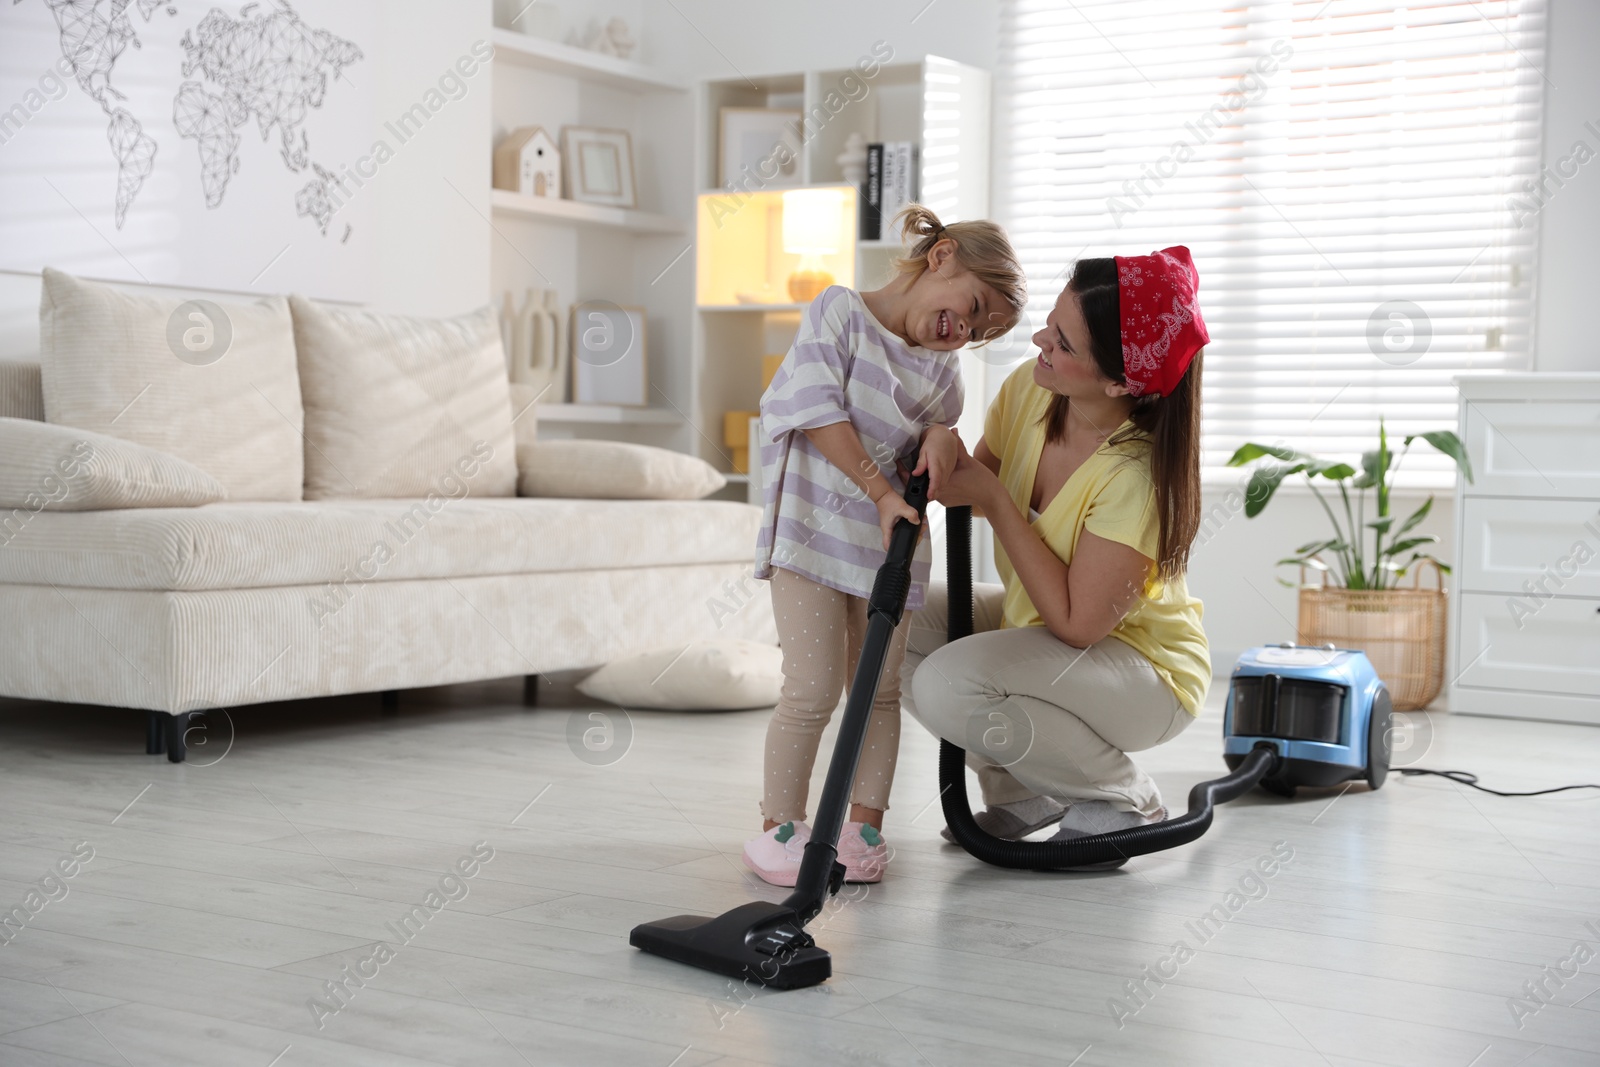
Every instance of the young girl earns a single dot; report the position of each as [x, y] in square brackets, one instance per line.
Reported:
[871, 379]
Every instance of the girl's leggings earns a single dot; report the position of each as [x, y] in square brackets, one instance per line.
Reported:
[821, 631]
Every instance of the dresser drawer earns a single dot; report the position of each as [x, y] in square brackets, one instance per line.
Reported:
[1555, 544]
[1551, 646]
[1541, 449]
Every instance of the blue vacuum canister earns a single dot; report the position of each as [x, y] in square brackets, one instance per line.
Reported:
[1324, 709]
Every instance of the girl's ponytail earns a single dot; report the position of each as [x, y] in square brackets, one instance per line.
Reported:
[981, 247]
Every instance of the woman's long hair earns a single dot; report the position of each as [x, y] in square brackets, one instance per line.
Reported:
[1171, 423]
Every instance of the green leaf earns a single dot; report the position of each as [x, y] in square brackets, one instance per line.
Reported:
[1264, 481]
[1410, 542]
[1416, 516]
[1311, 548]
[1382, 525]
[1385, 461]
[1370, 474]
[1252, 451]
[1444, 567]
[1448, 443]
[1334, 472]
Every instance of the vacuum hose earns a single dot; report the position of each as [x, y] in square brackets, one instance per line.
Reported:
[1084, 851]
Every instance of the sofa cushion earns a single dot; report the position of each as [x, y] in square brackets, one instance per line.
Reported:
[57, 468]
[338, 545]
[619, 470]
[395, 404]
[111, 363]
[21, 396]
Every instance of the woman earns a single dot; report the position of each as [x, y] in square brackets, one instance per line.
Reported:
[1088, 471]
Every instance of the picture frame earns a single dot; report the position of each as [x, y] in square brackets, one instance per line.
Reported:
[764, 140]
[609, 354]
[597, 165]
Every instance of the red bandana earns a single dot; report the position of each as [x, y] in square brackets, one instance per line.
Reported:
[1161, 324]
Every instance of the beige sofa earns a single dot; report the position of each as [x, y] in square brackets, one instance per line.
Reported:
[180, 610]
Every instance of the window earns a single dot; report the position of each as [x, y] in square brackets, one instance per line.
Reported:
[1358, 183]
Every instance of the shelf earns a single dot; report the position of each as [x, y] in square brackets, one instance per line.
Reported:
[753, 307]
[525, 50]
[606, 413]
[515, 205]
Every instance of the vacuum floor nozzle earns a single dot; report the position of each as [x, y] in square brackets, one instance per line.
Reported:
[760, 941]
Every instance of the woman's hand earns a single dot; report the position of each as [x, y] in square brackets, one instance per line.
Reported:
[970, 482]
[940, 448]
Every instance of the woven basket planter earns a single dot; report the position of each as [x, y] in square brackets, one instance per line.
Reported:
[1401, 630]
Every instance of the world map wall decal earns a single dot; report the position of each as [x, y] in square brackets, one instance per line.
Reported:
[264, 65]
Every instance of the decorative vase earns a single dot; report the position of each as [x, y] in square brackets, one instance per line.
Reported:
[531, 330]
[508, 333]
[853, 160]
[560, 392]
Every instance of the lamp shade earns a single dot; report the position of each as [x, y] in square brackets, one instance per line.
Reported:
[811, 221]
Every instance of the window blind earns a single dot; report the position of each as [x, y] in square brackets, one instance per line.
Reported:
[1348, 174]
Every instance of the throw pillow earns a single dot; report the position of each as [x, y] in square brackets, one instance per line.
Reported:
[21, 396]
[212, 384]
[703, 675]
[58, 468]
[403, 407]
[614, 470]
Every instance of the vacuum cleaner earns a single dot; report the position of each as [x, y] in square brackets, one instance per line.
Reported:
[1294, 717]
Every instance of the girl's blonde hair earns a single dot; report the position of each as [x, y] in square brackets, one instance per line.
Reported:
[982, 247]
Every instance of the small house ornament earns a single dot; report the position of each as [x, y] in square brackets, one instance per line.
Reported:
[528, 162]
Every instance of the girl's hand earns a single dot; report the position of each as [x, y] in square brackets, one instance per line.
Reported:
[892, 507]
[970, 482]
[940, 447]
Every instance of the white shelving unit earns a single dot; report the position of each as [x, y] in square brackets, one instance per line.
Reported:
[593, 252]
[514, 205]
[537, 53]
[942, 105]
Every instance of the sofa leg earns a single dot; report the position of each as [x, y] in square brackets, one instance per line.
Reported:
[530, 690]
[177, 727]
[390, 702]
[155, 733]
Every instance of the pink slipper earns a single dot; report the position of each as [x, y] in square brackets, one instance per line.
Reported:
[863, 853]
[775, 855]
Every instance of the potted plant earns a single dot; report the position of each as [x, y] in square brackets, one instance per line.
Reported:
[1402, 630]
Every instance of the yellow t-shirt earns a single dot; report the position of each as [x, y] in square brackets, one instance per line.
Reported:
[1111, 495]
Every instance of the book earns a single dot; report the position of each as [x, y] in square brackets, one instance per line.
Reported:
[871, 217]
[901, 183]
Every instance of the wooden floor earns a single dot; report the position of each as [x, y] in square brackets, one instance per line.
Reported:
[223, 895]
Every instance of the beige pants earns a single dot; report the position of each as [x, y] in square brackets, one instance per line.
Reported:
[821, 631]
[1037, 716]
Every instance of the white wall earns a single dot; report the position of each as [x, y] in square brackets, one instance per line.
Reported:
[432, 243]
[1565, 337]
[433, 197]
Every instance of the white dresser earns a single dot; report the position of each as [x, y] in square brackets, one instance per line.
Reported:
[1527, 610]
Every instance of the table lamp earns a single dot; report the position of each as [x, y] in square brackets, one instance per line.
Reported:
[811, 222]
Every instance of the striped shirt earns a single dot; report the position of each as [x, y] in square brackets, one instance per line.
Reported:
[845, 366]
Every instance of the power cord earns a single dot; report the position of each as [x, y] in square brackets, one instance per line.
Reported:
[1467, 778]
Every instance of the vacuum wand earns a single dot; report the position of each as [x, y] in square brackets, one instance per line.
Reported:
[765, 942]
[821, 874]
